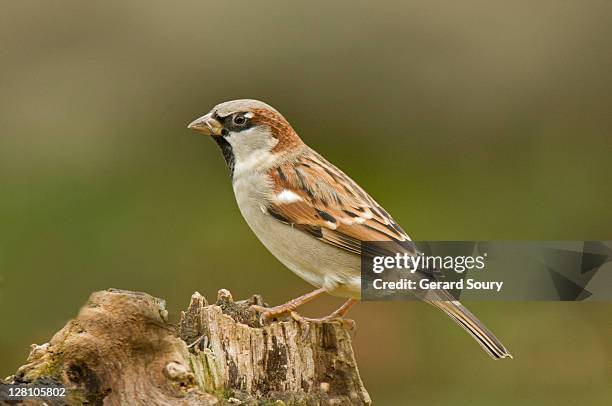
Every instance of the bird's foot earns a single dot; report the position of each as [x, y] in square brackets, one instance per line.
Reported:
[267, 314]
[272, 313]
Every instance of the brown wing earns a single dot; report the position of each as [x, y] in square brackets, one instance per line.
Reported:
[314, 196]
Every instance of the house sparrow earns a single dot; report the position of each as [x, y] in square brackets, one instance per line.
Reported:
[308, 213]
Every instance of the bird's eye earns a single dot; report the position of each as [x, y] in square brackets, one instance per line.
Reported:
[240, 120]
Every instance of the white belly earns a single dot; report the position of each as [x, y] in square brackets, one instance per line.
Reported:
[318, 263]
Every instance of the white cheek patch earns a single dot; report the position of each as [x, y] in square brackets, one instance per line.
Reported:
[252, 150]
[287, 196]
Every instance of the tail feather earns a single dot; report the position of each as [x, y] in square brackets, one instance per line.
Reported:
[462, 316]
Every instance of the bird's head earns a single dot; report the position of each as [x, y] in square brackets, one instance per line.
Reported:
[246, 129]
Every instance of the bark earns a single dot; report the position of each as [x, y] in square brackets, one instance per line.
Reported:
[121, 350]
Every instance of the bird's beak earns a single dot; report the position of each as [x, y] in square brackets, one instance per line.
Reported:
[206, 125]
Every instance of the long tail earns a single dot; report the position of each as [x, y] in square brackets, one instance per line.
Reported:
[462, 316]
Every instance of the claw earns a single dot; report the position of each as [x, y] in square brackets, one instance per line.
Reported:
[263, 314]
[351, 326]
[304, 324]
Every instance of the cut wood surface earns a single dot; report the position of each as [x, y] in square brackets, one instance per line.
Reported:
[121, 350]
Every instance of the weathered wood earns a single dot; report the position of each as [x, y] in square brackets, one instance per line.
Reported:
[121, 350]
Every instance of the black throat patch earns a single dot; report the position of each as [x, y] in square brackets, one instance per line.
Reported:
[228, 153]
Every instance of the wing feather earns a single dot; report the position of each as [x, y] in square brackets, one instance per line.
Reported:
[315, 197]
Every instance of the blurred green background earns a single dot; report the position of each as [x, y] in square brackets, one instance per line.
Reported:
[466, 120]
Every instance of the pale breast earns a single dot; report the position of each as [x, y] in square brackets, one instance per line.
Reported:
[318, 263]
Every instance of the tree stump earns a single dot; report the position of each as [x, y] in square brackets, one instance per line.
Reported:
[121, 350]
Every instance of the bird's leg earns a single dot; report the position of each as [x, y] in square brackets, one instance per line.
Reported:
[287, 308]
[343, 310]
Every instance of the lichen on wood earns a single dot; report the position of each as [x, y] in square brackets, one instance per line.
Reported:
[121, 350]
